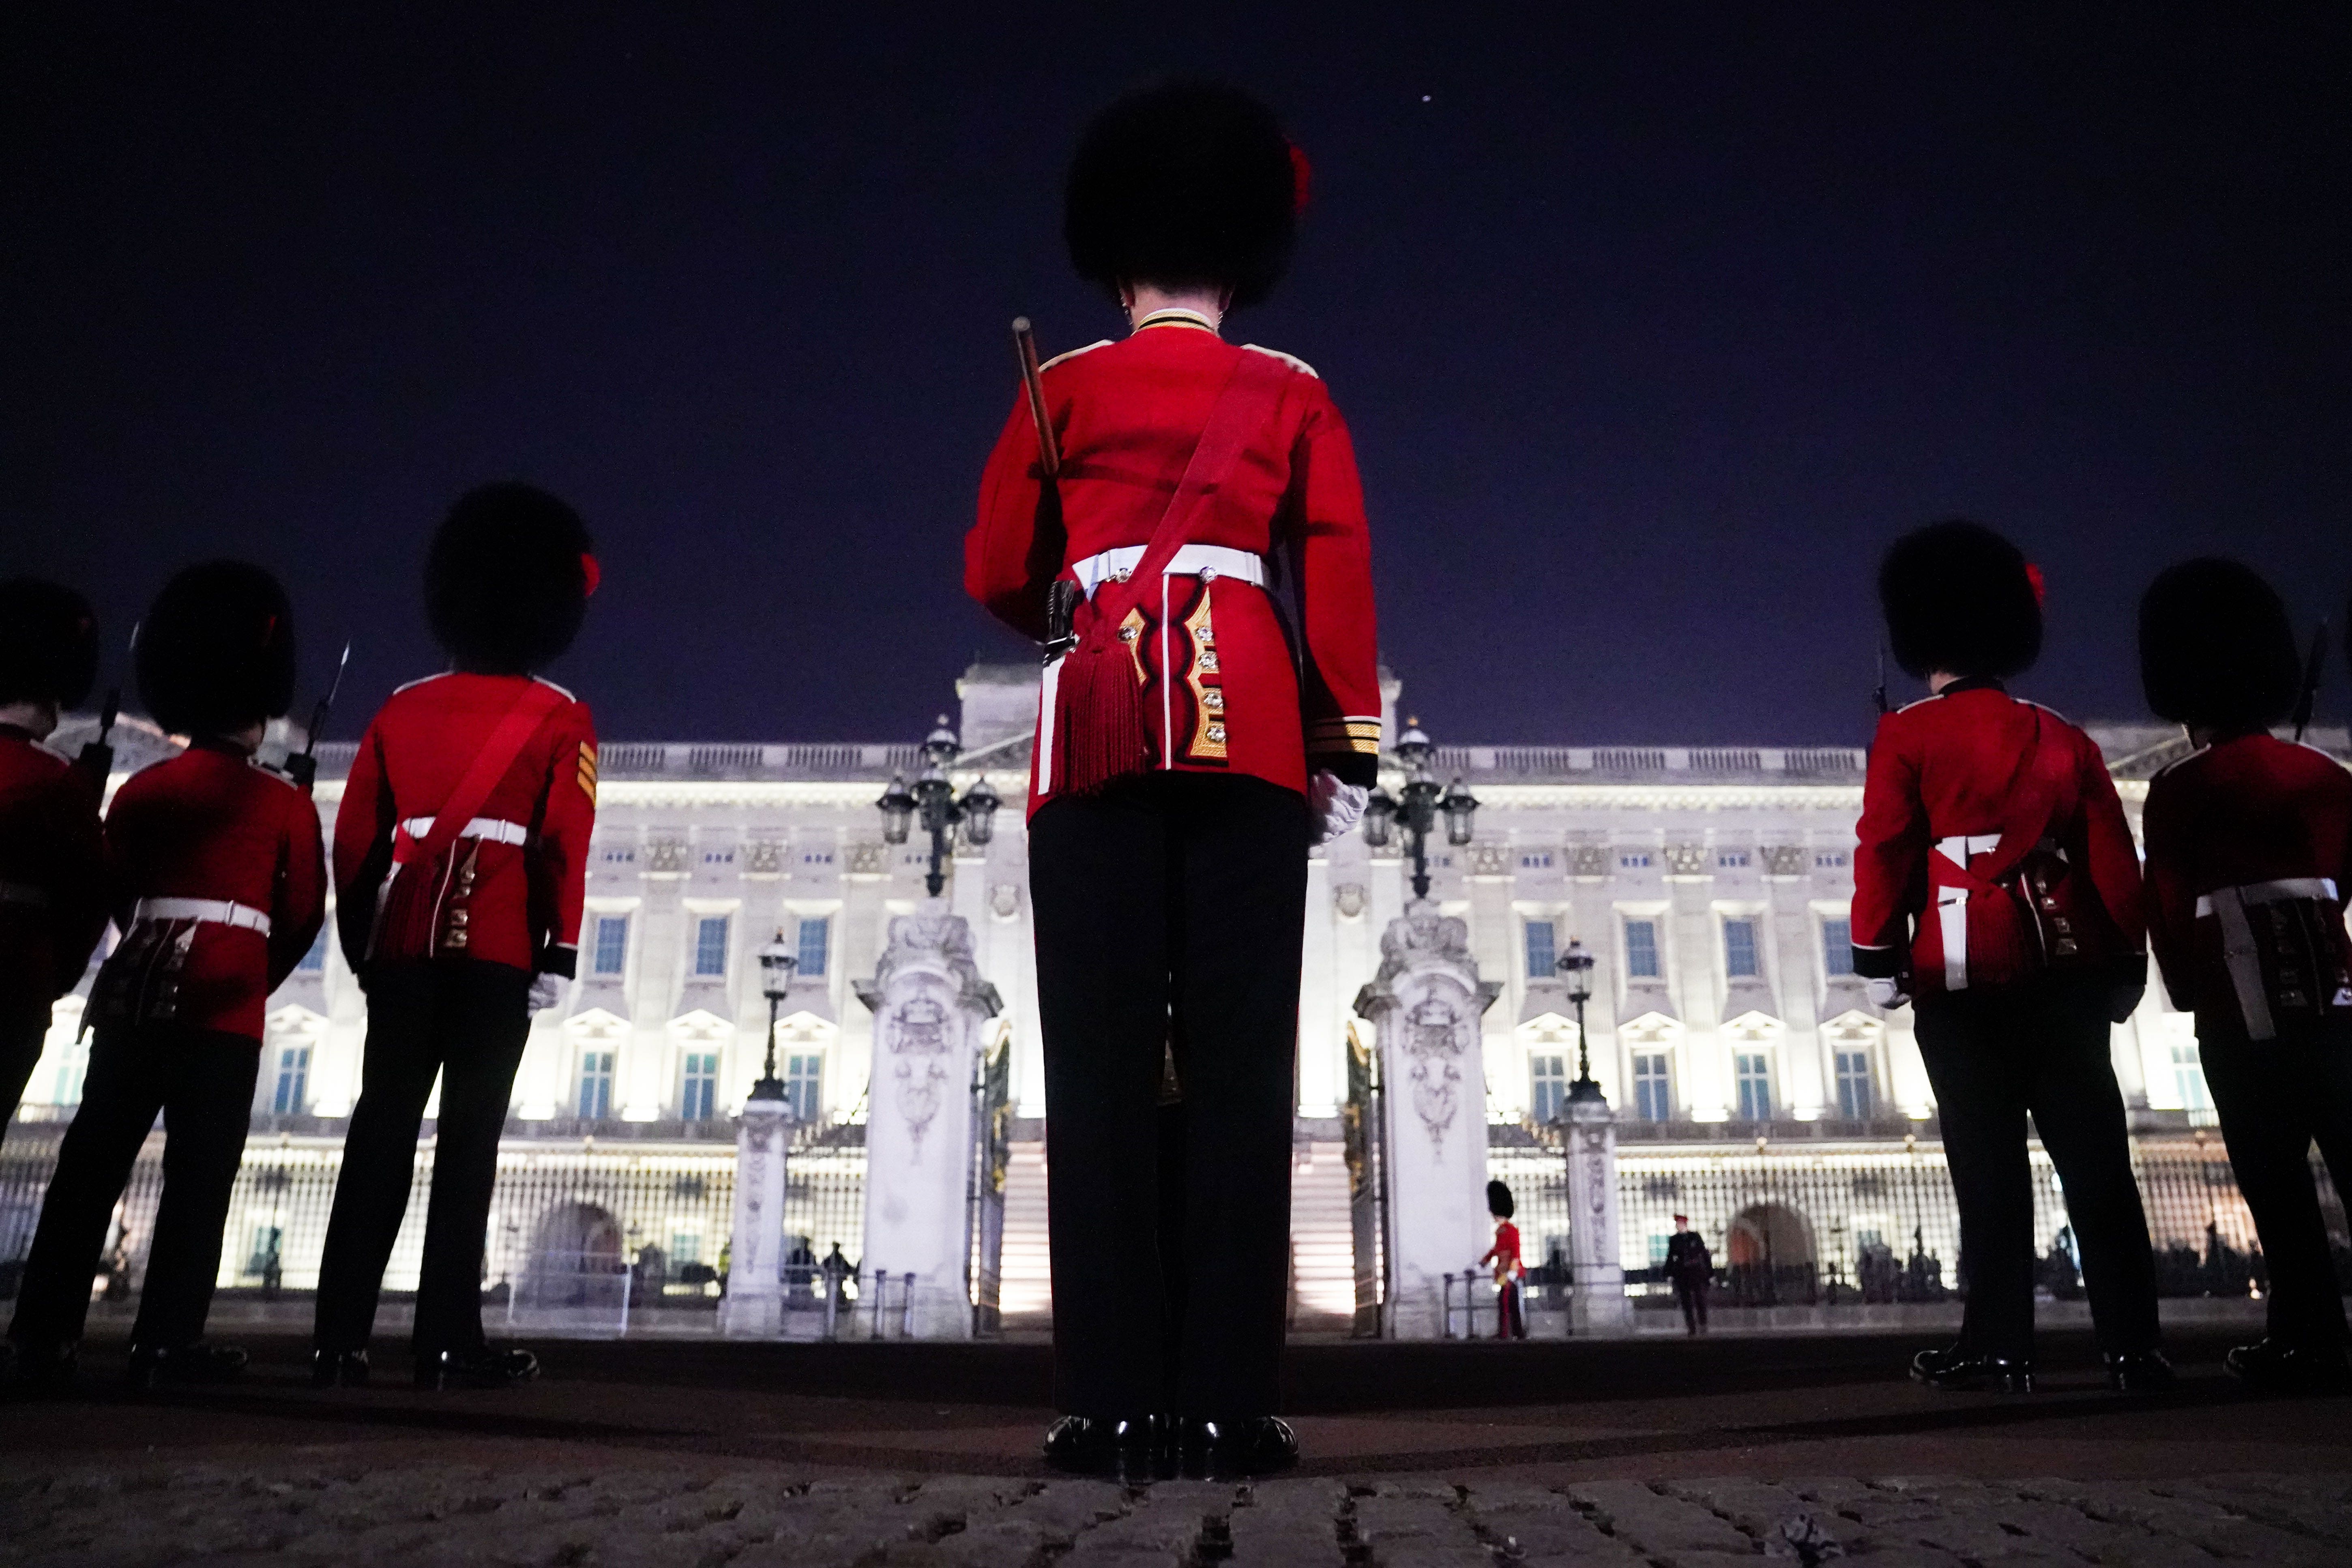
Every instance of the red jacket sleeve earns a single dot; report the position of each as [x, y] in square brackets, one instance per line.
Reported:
[2171, 898]
[1014, 551]
[300, 906]
[363, 826]
[558, 854]
[2114, 861]
[1890, 864]
[1340, 697]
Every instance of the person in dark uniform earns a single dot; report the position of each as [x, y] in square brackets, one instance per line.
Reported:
[2249, 865]
[1510, 1270]
[1997, 884]
[1196, 737]
[216, 875]
[461, 859]
[52, 862]
[1690, 1270]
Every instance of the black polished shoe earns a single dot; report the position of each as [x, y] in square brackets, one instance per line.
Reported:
[1217, 1450]
[338, 1369]
[202, 1361]
[2279, 1366]
[2139, 1372]
[1134, 1450]
[1959, 1368]
[478, 1366]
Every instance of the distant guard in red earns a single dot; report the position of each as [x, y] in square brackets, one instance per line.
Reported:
[1997, 888]
[216, 875]
[2249, 865]
[461, 856]
[1179, 520]
[52, 863]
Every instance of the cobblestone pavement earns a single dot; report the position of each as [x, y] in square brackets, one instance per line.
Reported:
[345, 1512]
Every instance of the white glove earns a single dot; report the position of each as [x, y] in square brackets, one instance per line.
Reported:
[1337, 806]
[1887, 994]
[546, 990]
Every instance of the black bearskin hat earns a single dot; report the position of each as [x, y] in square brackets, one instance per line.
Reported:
[48, 643]
[1960, 598]
[1184, 183]
[2215, 647]
[507, 583]
[1498, 1200]
[217, 650]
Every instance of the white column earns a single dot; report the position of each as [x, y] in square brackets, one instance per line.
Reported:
[754, 1304]
[1598, 1305]
[930, 1007]
[659, 964]
[1426, 1003]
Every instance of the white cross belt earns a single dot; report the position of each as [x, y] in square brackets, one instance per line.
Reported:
[497, 830]
[217, 911]
[1191, 561]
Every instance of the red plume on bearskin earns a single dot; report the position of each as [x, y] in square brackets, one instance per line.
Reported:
[1302, 180]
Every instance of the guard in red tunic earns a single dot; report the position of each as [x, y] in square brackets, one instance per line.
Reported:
[1205, 531]
[2249, 865]
[1510, 1270]
[52, 894]
[216, 875]
[461, 856]
[1996, 884]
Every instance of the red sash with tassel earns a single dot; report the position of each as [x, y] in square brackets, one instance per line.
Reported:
[1099, 726]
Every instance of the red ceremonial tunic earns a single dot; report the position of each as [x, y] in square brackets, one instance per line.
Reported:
[2246, 811]
[510, 889]
[52, 874]
[1222, 691]
[1504, 1254]
[215, 828]
[1947, 776]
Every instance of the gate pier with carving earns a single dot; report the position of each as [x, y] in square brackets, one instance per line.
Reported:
[1424, 1006]
[924, 1139]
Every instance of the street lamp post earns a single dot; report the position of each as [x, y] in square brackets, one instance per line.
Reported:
[932, 797]
[1417, 813]
[777, 964]
[1576, 966]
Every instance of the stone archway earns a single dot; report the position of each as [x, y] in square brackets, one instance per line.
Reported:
[575, 1253]
[1769, 1251]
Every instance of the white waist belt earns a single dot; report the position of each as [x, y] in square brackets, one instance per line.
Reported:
[497, 830]
[1192, 561]
[2240, 953]
[1960, 846]
[2284, 890]
[23, 896]
[219, 912]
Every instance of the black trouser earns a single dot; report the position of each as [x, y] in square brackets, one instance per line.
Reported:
[202, 1081]
[1180, 894]
[2276, 1098]
[1993, 1056]
[1692, 1298]
[23, 1032]
[466, 1022]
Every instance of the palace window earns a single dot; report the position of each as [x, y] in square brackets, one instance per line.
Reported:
[73, 1065]
[815, 938]
[611, 955]
[1830, 860]
[698, 1098]
[804, 1085]
[1856, 1092]
[1633, 860]
[1739, 950]
[293, 1080]
[316, 959]
[1548, 1084]
[1538, 861]
[1642, 949]
[685, 1247]
[263, 1257]
[1654, 1097]
[1542, 958]
[595, 1085]
[1731, 860]
[1751, 1072]
[1837, 947]
[710, 945]
[2188, 1078]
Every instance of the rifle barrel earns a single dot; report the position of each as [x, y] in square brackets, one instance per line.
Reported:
[1032, 380]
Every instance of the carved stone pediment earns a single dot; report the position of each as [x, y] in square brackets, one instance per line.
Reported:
[1782, 859]
[1588, 859]
[664, 857]
[1686, 859]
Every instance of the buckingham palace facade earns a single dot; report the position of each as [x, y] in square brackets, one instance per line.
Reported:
[1712, 882]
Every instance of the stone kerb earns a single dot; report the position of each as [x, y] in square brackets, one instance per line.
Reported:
[931, 1006]
[1425, 1005]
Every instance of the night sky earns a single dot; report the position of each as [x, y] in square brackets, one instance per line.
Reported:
[1652, 330]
